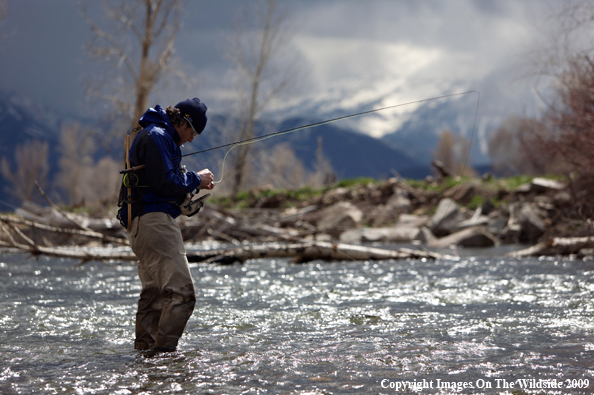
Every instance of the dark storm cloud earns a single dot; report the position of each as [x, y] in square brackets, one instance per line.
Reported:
[358, 48]
[42, 54]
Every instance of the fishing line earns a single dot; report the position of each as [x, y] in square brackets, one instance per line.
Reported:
[291, 130]
[328, 121]
[466, 159]
[478, 99]
[261, 138]
[9, 204]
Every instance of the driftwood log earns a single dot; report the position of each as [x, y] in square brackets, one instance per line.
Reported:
[556, 246]
[69, 231]
[309, 251]
[287, 244]
[300, 252]
[57, 252]
[312, 229]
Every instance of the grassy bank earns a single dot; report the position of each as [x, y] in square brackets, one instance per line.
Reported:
[493, 190]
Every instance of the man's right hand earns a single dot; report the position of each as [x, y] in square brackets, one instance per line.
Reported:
[206, 178]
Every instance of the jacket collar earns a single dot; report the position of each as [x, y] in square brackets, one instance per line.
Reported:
[157, 115]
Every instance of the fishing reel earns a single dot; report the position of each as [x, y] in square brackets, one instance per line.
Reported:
[130, 180]
[192, 206]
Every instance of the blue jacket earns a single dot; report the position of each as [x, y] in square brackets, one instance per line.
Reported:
[161, 185]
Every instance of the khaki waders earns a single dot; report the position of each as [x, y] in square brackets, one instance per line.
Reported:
[168, 297]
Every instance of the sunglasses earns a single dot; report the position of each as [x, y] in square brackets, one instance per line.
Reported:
[194, 132]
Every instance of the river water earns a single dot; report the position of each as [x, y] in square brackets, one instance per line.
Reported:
[474, 325]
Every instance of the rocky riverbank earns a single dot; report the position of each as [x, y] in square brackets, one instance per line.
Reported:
[464, 213]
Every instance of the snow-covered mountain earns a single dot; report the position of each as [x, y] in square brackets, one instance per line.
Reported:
[400, 139]
[421, 131]
[413, 123]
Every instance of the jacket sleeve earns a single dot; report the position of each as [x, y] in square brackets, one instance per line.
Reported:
[162, 174]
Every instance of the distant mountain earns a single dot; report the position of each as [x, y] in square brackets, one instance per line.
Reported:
[351, 154]
[415, 128]
[407, 151]
[420, 133]
[416, 132]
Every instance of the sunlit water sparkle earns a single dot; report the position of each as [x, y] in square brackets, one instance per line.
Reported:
[271, 326]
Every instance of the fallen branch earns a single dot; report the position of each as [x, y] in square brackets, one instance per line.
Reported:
[301, 252]
[61, 212]
[555, 246]
[84, 255]
[308, 251]
[85, 233]
[21, 234]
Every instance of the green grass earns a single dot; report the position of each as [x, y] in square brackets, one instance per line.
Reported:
[246, 199]
[476, 202]
[356, 182]
[292, 197]
[447, 183]
[304, 193]
[515, 181]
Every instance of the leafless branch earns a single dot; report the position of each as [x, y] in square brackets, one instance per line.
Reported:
[69, 231]
[142, 38]
[254, 52]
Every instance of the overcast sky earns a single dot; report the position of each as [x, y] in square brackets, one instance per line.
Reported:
[351, 53]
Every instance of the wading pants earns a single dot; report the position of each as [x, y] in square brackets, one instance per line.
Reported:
[167, 298]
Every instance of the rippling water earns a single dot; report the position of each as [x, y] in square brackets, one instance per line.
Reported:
[271, 326]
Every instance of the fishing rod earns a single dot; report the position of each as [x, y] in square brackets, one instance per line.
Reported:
[320, 123]
[311, 125]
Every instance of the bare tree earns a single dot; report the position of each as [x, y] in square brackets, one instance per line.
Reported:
[572, 117]
[254, 54]
[566, 35]
[563, 144]
[101, 183]
[85, 182]
[454, 152]
[280, 168]
[31, 164]
[323, 173]
[76, 155]
[566, 59]
[517, 147]
[137, 42]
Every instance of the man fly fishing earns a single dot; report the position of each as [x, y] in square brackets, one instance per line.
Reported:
[155, 190]
[150, 200]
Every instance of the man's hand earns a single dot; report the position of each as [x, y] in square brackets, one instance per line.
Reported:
[207, 179]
